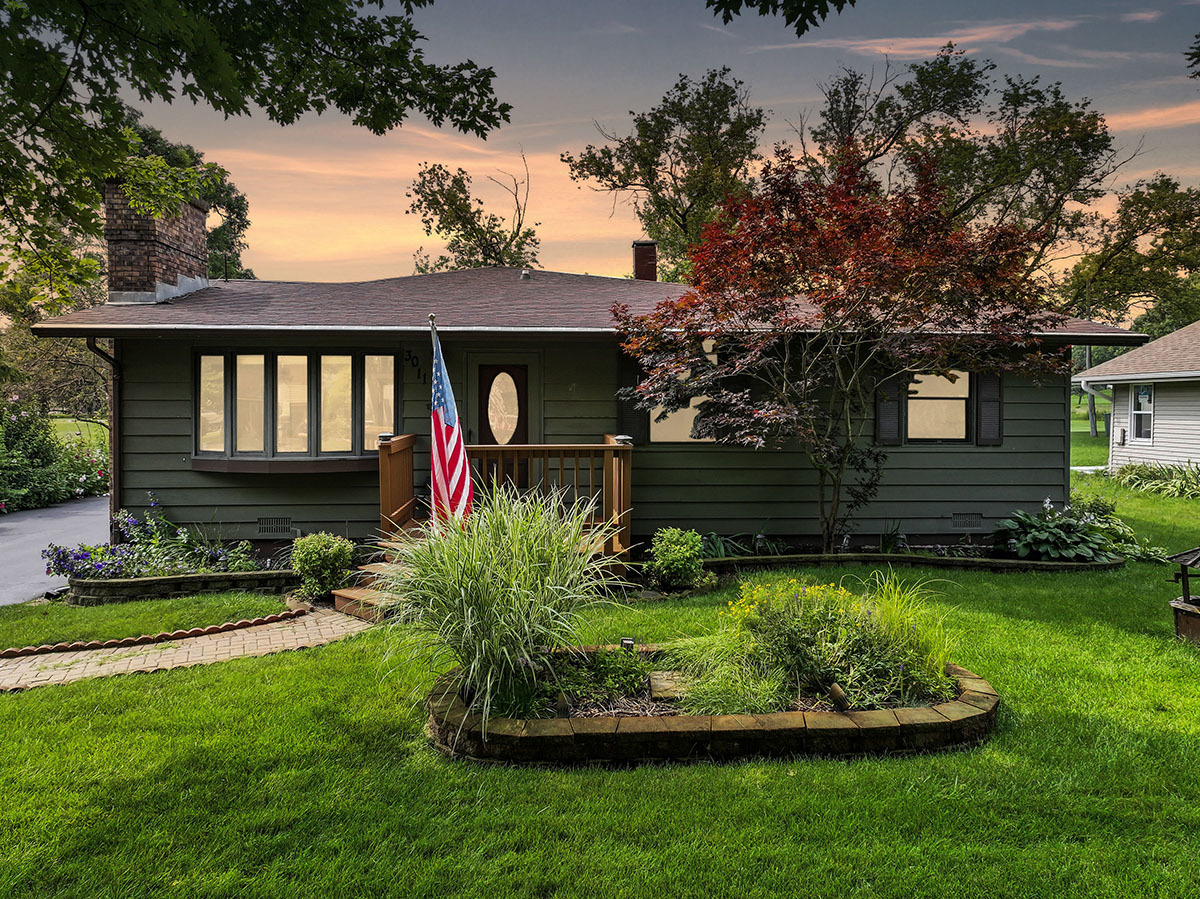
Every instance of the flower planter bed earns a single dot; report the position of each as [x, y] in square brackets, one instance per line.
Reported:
[146, 639]
[89, 592]
[964, 721]
[907, 560]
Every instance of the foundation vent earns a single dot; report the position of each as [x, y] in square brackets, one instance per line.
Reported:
[966, 521]
[274, 526]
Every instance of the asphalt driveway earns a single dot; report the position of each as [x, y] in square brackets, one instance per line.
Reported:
[23, 536]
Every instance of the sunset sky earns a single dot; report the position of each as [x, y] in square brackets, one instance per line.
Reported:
[327, 199]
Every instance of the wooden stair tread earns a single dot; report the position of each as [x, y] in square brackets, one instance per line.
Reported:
[362, 594]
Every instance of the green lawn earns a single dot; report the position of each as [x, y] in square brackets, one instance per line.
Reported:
[31, 624]
[1086, 449]
[308, 774]
[70, 429]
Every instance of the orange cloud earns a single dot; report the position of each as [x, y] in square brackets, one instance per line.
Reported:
[917, 47]
[1156, 117]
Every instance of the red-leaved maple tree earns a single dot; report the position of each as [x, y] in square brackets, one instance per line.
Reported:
[814, 292]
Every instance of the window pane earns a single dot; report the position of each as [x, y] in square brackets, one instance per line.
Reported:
[503, 407]
[1143, 398]
[677, 426]
[251, 395]
[1142, 426]
[291, 404]
[379, 382]
[211, 421]
[336, 404]
[927, 386]
[937, 420]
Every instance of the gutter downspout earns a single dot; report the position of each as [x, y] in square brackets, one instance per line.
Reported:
[114, 435]
[1096, 391]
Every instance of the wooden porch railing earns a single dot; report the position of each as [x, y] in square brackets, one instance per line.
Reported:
[397, 501]
[600, 472]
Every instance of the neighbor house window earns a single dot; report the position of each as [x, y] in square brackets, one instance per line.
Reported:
[677, 426]
[939, 407]
[294, 404]
[1142, 413]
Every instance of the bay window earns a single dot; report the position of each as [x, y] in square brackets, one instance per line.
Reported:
[294, 405]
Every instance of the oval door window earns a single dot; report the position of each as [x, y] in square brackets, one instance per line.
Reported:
[503, 407]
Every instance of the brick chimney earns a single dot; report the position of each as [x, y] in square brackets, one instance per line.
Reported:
[645, 260]
[152, 260]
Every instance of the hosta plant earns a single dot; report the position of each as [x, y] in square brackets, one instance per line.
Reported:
[1053, 535]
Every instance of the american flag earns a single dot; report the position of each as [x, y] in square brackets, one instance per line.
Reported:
[452, 491]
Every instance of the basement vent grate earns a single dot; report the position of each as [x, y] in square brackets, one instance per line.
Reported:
[274, 525]
[966, 521]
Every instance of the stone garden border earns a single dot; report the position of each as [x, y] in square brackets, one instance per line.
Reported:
[969, 563]
[146, 639]
[97, 592]
[964, 721]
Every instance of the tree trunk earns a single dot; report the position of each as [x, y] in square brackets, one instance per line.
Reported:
[1087, 362]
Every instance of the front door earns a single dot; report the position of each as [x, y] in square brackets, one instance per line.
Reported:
[503, 397]
[503, 416]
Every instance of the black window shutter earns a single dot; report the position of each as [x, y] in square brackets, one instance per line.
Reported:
[989, 409]
[630, 419]
[888, 418]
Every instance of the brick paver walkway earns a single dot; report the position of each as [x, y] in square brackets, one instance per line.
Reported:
[313, 629]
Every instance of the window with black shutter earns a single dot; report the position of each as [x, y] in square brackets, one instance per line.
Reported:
[935, 409]
[630, 419]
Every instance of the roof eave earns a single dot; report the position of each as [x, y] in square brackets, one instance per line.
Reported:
[1142, 376]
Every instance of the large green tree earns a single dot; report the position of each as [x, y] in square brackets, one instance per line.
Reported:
[227, 238]
[67, 67]
[474, 237]
[798, 14]
[680, 162]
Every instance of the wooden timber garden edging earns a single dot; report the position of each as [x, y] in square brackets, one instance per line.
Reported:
[964, 721]
[98, 592]
[914, 560]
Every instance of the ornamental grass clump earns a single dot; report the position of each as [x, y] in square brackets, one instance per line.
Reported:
[786, 640]
[500, 592]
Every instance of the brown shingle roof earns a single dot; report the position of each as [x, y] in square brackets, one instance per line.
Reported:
[480, 299]
[1178, 353]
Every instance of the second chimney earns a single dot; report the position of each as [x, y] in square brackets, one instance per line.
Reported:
[152, 260]
[645, 260]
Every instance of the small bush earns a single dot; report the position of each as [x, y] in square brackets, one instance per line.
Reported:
[784, 639]
[676, 559]
[323, 563]
[497, 594]
[1163, 480]
[1053, 535]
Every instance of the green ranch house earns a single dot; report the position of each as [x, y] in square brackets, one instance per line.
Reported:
[254, 409]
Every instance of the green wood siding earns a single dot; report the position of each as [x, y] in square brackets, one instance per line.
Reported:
[708, 487]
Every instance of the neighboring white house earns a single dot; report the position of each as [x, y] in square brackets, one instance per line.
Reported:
[1155, 392]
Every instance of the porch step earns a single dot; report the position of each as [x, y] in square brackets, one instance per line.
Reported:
[371, 571]
[361, 602]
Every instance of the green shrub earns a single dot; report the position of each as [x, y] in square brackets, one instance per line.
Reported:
[1102, 512]
[497, 594]
[1053, 535]
[676, 559]
[786, 638]
[323, 562]
[1163, 480]
[36, 469]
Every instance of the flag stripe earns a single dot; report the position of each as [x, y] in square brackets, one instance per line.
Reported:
[452, 490]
